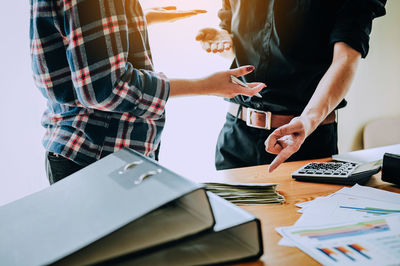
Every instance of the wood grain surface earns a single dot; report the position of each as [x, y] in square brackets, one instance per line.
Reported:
[285, 214]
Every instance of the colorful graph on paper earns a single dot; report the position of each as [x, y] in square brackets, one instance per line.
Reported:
[328, 252]
[358, 243]
[357, 229]
[360, 250]
[370, 210]
[349, 252]
[346, 252]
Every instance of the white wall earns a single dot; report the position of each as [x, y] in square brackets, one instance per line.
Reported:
[192, 123]
[376, 89]
[21, 152]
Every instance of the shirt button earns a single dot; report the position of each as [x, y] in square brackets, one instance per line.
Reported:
[268, 25]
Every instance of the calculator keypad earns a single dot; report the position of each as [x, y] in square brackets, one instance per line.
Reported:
[327, 169]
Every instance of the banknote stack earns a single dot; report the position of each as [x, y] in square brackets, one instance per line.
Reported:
[247, 193]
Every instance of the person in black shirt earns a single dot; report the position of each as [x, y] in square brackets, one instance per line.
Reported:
[307, 52]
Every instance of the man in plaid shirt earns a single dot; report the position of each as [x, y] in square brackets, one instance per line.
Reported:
[91, 60]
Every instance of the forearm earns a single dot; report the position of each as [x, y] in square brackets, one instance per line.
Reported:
[333, 86]
[217, 84]
[169, 14]
[187, 87]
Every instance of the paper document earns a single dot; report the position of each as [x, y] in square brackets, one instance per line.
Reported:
[342, 207]
[372, 242]
[355, 203]
[367, 155]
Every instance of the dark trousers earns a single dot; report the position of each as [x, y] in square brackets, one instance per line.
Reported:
[239, 145]
[58, 167]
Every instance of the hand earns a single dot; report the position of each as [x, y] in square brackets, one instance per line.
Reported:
[286, 140]
[169, 14]
[214, 40]
[220, 84]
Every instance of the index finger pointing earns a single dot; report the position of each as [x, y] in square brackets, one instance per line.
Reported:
[279, 159]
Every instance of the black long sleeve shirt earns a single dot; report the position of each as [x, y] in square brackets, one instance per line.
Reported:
[290, 42]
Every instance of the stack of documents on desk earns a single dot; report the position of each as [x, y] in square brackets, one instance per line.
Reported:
[247, 193]
[354, 226]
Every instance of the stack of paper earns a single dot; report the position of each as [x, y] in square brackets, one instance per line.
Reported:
[247, 193]
[354, 226]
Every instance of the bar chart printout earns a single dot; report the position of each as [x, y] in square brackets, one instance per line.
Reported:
[371, 242]
[346, 253]
[370, 210]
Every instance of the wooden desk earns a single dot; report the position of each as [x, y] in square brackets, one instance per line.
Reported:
[285, 214]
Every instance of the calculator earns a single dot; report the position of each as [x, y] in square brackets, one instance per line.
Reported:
[337, 172]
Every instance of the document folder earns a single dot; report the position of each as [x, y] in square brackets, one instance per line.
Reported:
[123, 203]
[236, 237]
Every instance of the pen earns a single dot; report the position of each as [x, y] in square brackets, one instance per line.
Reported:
[241, 83]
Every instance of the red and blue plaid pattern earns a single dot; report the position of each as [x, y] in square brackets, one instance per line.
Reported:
[91, 60]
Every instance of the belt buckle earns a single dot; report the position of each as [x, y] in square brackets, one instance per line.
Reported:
[249, 123]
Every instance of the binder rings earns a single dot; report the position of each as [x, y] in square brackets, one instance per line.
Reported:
[123, 203]
[236, 237]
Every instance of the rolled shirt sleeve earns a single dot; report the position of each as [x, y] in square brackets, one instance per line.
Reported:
[354, 23]
[225, 15]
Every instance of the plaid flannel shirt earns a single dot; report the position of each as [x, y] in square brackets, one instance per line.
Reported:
[91, 60]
